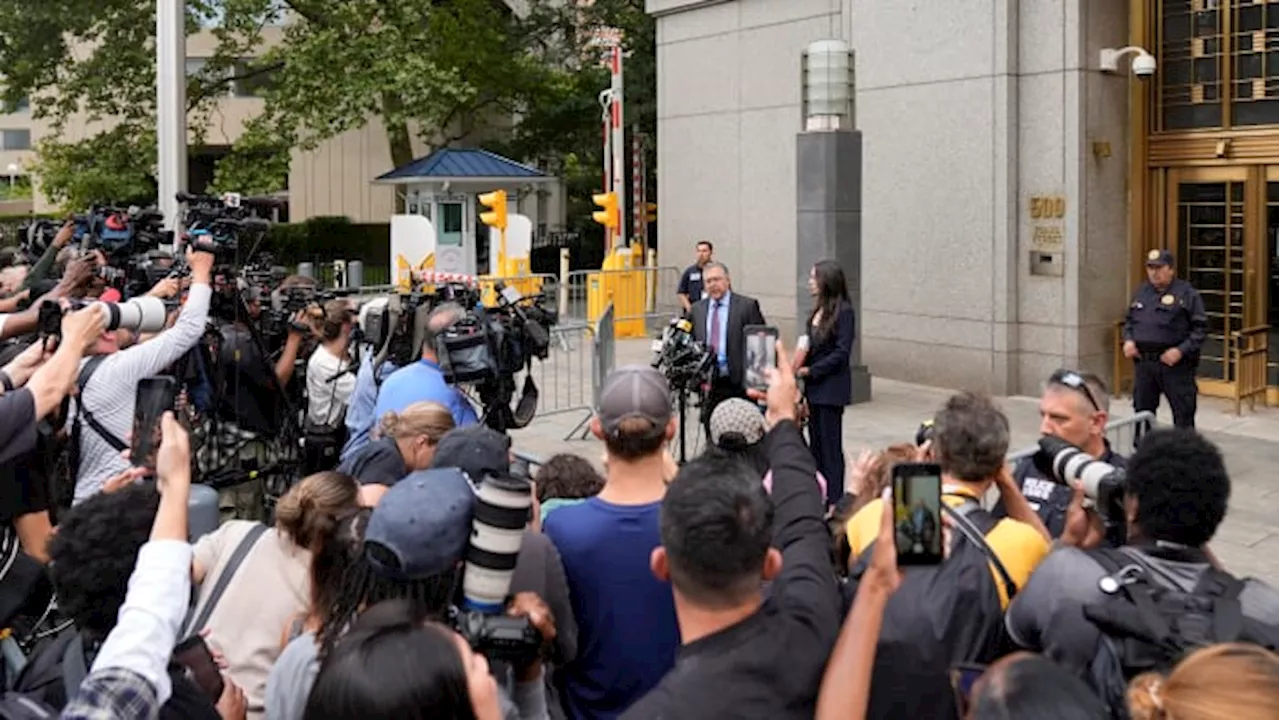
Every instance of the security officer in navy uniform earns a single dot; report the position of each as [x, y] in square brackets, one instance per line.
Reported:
[1163, 332]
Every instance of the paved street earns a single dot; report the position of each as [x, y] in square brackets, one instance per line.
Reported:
[1247, 543]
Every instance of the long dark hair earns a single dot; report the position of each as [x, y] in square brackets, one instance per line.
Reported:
[832, 291]
[390, 666]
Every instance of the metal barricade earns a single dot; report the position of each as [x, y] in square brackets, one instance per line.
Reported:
[1122, 433]
[569, 379]
[650, 295]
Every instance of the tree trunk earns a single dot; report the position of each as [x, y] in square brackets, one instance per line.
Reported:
[398, 139]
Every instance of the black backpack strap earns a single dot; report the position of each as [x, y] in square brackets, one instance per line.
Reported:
[974, 523]
[82, 380]
[193, 622]
[1228, 614]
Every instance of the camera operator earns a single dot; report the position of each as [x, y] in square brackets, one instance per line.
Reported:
[423, 380]
[33, 387]
[330, 381]
[48, 259]
[108, 394]
[74, 283]
[251, 398]
[1073, 407]
[1112, 613]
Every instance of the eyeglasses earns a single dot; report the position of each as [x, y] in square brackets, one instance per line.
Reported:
[1076, 381]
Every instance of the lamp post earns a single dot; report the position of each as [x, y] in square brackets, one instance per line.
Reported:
[171, 107]
[829, 185]
[13, 171]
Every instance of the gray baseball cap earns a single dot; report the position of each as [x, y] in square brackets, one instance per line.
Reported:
[422, 525]
[634, 391]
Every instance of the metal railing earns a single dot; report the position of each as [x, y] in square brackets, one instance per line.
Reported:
[569, 379]
[1248, 353]
[1122, 433]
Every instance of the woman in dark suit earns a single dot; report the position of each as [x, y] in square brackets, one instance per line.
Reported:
[828, 380]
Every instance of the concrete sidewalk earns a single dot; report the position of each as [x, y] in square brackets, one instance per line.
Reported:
[1248, 541]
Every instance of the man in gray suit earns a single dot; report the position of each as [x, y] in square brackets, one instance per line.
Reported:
[719, 320]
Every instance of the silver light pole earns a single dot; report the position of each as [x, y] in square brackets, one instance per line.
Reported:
[171, 107]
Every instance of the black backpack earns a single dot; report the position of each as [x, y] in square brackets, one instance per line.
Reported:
[941, 616]
[1148, 627]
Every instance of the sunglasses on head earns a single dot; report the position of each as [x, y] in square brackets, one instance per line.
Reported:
[1076, 381]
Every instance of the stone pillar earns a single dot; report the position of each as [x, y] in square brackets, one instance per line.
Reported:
[829, 226]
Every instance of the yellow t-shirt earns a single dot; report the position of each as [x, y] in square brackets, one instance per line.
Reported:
[1018, 546]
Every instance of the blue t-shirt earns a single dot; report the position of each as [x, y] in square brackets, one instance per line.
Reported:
[360, 418]
[422, 382]
[627, 632]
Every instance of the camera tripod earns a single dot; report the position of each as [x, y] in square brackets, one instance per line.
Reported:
[682, 410]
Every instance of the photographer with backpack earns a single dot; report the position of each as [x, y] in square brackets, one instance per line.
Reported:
[1110, 614]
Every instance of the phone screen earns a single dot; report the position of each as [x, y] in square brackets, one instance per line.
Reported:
[917, 513]
[155, 396]
[762, 354]
[193, 654]
[963, 678]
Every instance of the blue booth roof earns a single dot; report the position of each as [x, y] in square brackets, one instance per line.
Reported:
[461, 164]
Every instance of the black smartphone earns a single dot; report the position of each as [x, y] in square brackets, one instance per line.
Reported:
[963, 677]
[917, 513]
[761, 353]
[193, 655]
[155, 396]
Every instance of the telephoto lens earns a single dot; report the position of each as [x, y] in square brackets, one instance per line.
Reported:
[143, 314]
[503, 504]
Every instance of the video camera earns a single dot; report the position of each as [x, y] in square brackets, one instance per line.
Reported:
[685, 362]
[489, 346]
[217, 223]
[503, 504]
[1104, 484]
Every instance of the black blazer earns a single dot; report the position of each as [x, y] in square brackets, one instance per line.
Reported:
[830, 379]
[743, 311]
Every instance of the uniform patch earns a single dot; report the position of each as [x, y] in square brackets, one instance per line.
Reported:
[1167, 299]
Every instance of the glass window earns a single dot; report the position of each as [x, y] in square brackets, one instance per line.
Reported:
[23, 105]
[1254, 53]
[1218, 63]
[15, 139]
[449, 231]
[196, 65]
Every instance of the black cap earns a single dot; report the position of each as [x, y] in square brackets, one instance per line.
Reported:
[1158, 258]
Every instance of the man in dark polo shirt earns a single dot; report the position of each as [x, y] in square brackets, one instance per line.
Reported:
[1074, 407]
[690, 288]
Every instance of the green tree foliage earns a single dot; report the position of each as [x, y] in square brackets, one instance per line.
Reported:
[434, 70]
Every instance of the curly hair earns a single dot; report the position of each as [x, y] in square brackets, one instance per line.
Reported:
[567, 476]
[94, 552]
[1181, 484]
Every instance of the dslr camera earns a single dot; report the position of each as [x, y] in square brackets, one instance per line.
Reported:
[503, 504]
[1104, 484]
[142, 315]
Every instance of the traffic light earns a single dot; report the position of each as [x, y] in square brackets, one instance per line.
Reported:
[651, 212]
[496, 201]
[607, 215]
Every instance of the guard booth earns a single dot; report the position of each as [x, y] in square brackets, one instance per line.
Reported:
[442, 187]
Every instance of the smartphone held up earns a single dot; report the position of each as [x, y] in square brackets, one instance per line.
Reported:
[155, 397]
[917, 513]
[761, 350]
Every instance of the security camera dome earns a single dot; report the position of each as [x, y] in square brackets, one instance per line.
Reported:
[1144, 65]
